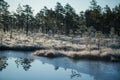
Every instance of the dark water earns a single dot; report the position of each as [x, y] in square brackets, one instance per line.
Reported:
[24, 66]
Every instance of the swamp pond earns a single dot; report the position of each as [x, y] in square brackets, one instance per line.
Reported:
[15, 65]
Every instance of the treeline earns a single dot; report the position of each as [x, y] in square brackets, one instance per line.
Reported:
[61, 20]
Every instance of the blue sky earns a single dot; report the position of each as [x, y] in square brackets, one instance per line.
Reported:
[78, 5]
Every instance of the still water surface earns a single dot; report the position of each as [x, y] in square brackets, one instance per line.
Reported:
[24, 66]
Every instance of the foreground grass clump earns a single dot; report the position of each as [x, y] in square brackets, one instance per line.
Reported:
[78, 55]
[49, 53]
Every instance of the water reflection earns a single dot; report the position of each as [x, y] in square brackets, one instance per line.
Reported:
[73, 70]
[56, 68]
[75, 74]
[97, 69]
[26, 63]
[3, 63]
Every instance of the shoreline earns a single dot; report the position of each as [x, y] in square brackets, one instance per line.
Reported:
[75, 55]
[20, 48]
[60, 45]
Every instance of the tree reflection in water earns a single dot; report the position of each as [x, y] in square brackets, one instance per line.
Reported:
[75, 74]
[3, 62]
[56, 67]
[26, 63]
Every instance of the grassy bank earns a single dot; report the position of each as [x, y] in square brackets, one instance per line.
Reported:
[60, 45]
[94, 55]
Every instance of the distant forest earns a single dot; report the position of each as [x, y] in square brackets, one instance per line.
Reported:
[61, 19]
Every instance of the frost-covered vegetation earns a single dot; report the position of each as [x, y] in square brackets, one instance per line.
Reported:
[61, 45]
